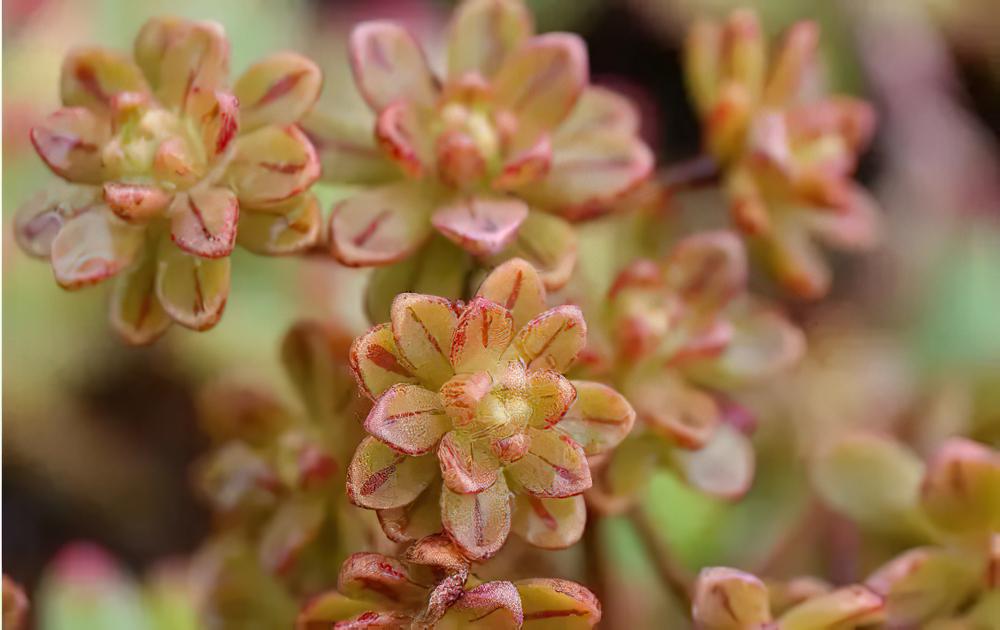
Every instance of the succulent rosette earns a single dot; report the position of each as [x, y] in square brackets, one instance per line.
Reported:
[727, 599]
[496, 156]
[678, 337]
[951, 504]
[164, 164]
[431, 587]
[786, 161]
[276, 475]
[474, 427]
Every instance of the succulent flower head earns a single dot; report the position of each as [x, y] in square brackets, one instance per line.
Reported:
[471, 406]
[164, 163]
[786, 162]
[511, 129]
[430, 586]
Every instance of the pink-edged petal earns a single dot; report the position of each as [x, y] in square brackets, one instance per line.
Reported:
[540, 82]
[381, 478]
[220, 123]
[376, 362]
[707, 270]
[599, 419]
[674, 409]
[292, 231]
[724, 467]
[481, 225]
[553, 339]
[423, 327]
[39, 220]
[550, 395]
[548, 243]
[277, 90]
[93, 246]
[484, 331]
[136, 313]
[403, 135]
[548, 523]
[589, 175]
[136, 202]
[408, 418]
[194, 63]
[192, 290]
[382, 225]
[466, 466]
[378, 578]
[517, 287]
[462, 393]
[727, 598]
[289, 532]
[92, 77]
[550, 602]
[389, 65]
[347, 151]
[415, 520]
[70, 142]
[483, 33]
[554, 467]
[478, 523]
[526, 167]
[849, 606]
[491, 605]
[203, 222]
[599, 112]
[271, 165]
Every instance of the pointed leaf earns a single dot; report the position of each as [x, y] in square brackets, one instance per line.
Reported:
[297, 228]
[727, 599]
[277, 90]
[466, 466]
[271, 165]
[136, 313]
[550, 604]
[389, 65]
[91, 77]
[483, 333]
[93, 246]
[379, 477]
[408, 418]
[516, 286]
[483, 33]
[599, 419]
[423, 327]
[478, 523]
[192, 290]
[69, 141]
[203, 222]
[481, 225]
[549, 523]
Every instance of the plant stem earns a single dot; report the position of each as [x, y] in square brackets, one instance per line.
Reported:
[806, 527]
[674, 576]
[594, 557]
[696, 172]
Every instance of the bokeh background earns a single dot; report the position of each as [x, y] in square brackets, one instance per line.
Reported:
[98, 438]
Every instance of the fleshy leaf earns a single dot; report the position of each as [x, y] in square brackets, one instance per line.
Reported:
[673, 408]
[478, 523]
[550, 395]
[852, 605]
[599, 112]
[630, 469]
[483, 33]
[484, 331]
[380, 478]
[724, 467]
[192, 290]
[461, 395]
[347, 151]
[389, 65]
[961, 489]
[381, 225]
[411, 522]
[490, 605]
[549, 523]
[136, 202]
[706, 270]
[332, 609]
[787, 68]
[70, 142]
[551, 604]
[555, 466]
[91, 77]
[203, 222]
[553, 339]
[548, 243]
[297, 228]
[727, 599]
[439, 268]
[93, 246]
[402, 134]
[220, 123]
[516, 286]
[378, 578]
[467, 467]
[376, 362]
[423, 327]
[194, 62]
[295, 524]
[136, 313]
[277, 90]
[271, 165]
[39, 220]
[923, 584]
[481, 225]
[599, 419]
[408, 418]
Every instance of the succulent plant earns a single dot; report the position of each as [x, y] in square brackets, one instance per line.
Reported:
[786, 161]
[276, 476]
[431, 587]
[678, 334]
[474, 427]
[167, 167]
[495, 155]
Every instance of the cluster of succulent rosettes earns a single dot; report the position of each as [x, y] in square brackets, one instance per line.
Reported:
[786, 161]
[952, 503]
[165, 164]
[474, 427]
[432, 587]
[495, 155]
[277, 475]
[679, 335]
[729, 599]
